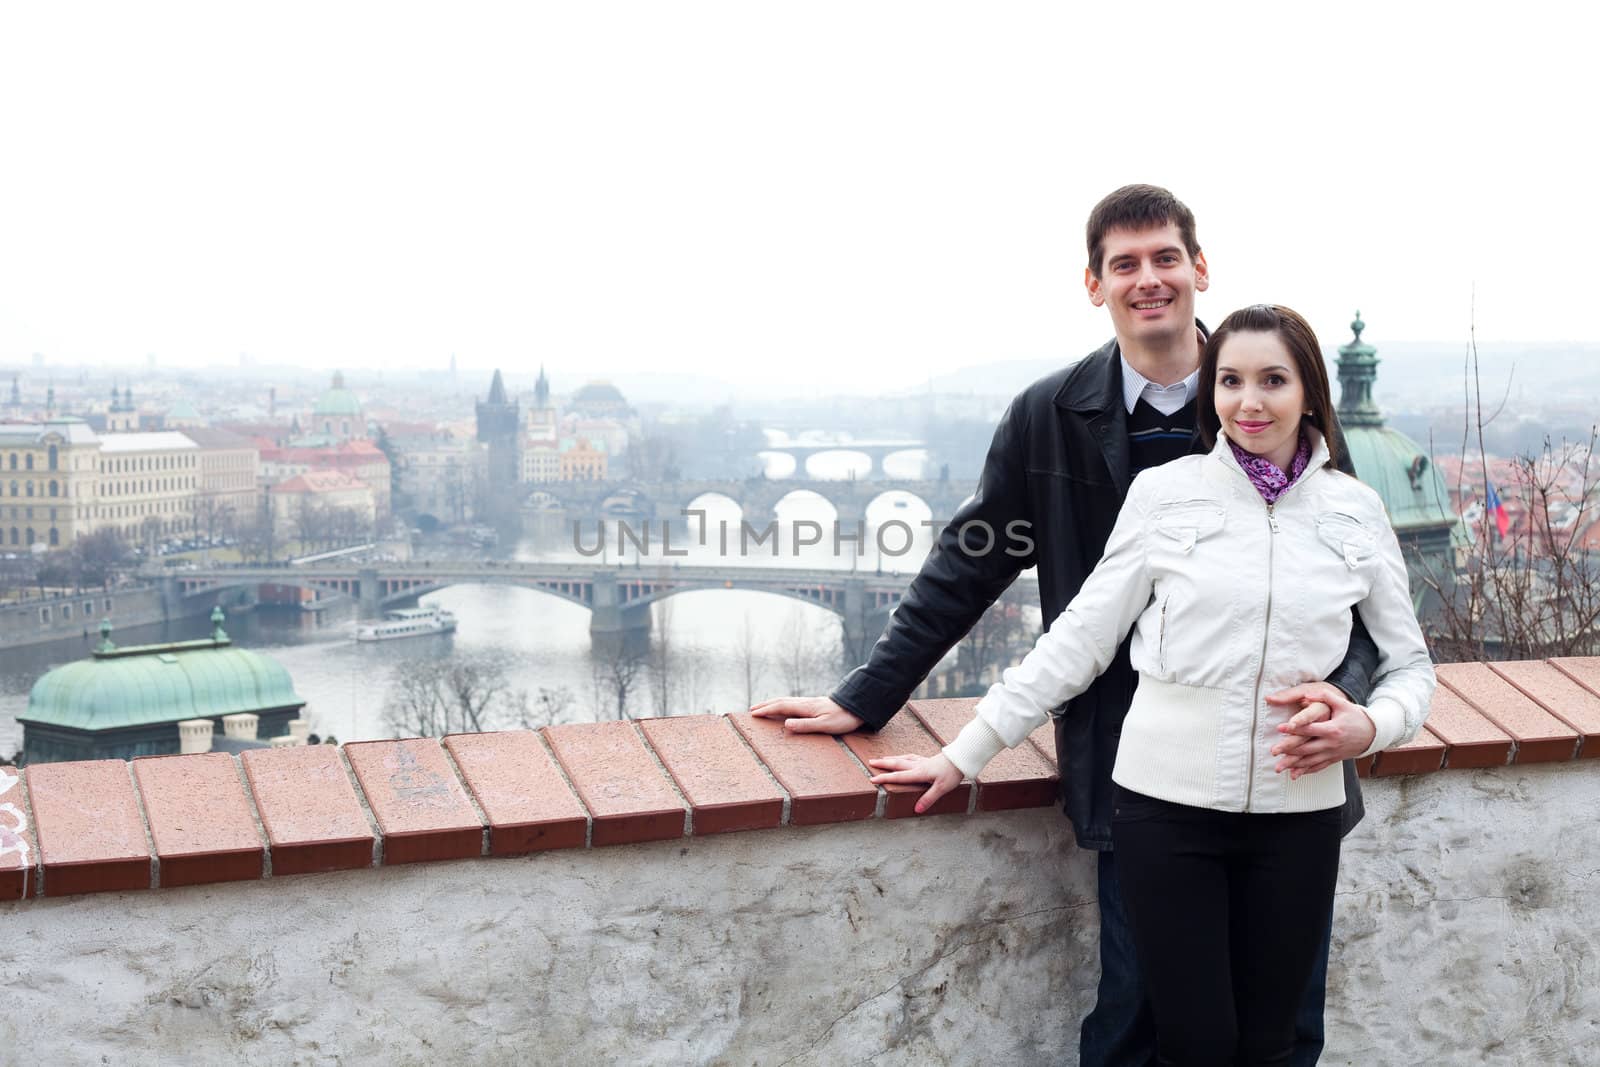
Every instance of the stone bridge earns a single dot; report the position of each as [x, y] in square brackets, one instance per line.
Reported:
[875, 450]
[618, 597]
[757, 497]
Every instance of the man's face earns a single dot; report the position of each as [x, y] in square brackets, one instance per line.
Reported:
[1148, 282]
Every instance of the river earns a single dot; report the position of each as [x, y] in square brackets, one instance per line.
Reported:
[543, 641]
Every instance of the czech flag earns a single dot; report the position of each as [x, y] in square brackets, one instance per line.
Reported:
[1502, 521]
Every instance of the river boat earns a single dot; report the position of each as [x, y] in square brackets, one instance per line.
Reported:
[408, 622]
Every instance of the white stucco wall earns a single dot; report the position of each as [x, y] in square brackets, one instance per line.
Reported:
[1465, 933]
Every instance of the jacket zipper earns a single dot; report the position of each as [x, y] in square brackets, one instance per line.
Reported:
[1255, 707]
[1161, 651]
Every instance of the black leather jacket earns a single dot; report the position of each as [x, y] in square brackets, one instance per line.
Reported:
[1059, 465]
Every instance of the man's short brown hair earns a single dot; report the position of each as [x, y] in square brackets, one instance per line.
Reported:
[1137, 207]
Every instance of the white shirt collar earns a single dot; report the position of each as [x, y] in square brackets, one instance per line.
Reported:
[1164, 398]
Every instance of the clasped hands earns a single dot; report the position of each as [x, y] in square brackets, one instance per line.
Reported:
[1327, 729]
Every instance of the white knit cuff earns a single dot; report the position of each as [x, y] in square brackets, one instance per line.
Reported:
[1389, 725]
[974, 746]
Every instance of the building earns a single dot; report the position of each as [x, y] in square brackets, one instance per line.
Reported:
[1391, 463]
[148, 483]
[544, 422]
[499, 427]
[599, 400]
[360, 459]
[230, 466]
[337, 415]
[581, 461]
[541, 461]
[127, 702]
[322, 505]
[441, 474]
[122, 416]
[49, 482]
[182, 416]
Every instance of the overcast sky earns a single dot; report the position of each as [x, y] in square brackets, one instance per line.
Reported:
[834, 195]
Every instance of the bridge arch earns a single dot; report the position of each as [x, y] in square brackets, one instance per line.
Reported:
[805, 504]
[899, 504]
[907, 463]
[777, 464]
[716, 506]
[840, 464]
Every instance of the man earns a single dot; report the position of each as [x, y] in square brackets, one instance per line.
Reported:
[1057, 473]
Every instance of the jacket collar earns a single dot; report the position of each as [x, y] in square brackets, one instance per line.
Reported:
[1319, 454]
[1094, 389]
[1099, 387]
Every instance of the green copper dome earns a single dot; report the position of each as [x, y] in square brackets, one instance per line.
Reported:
[136, 686]
[1387, 460]
[338, 402]
[1411, 487]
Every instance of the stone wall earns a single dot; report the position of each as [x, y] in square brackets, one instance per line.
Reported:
[37, 620]
[1465, 933]
[34, 620]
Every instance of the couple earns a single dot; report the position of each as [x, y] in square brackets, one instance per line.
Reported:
[1264, 591]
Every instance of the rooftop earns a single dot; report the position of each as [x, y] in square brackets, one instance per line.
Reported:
[156, 441]
[137, 685]
[319, 482]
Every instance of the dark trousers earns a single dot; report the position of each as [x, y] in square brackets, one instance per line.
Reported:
[1120, 1032]
[1228, 918]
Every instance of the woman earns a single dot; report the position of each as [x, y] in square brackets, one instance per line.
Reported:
[1236, 571]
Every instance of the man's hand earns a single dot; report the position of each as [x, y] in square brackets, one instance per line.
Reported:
[1327, 729]
[937, 770]
[808, 715]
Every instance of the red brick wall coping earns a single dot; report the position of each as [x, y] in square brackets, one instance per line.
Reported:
[165, 821]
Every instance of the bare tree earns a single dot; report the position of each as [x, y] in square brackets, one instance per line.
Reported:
[211, 516]
[1534, 591]
[150, 532]
[1000, 637]
[803, 654]
[751, 659]
[662, 657]
[618, 665]
[549, 706]
[100, 556]
[310, 524]
[258, 538]
[467, 693]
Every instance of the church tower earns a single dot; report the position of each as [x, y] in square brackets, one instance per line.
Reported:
[498, 426]
[1412, 489]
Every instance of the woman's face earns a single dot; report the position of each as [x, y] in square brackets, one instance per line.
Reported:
[1259, 397]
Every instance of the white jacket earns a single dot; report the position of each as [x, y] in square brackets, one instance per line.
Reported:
[1231, 599]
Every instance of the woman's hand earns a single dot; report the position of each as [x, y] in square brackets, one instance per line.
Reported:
[938, 771]
[1327, 729]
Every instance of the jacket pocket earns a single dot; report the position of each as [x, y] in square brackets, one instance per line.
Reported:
[1161, 638]
[1347, 536]
[1179, 524]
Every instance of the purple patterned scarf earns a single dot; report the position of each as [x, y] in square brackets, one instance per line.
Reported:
[1264, 474]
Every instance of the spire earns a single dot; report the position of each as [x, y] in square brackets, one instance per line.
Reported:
[541, 390]
[497, 389]
[1358, 369]
[338, 379]
[127, 397]
[16, 392]
[50, 400]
